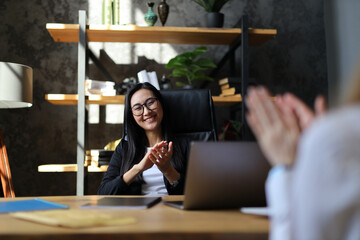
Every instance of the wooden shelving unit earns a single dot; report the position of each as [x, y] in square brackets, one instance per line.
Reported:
[72, 99]
[68, 168]
[82, 34]
[172, 35]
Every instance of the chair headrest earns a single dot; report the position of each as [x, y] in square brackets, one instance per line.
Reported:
[190, 113]
[189, 110]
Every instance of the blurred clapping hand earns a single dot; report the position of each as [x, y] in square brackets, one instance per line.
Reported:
[278, 124]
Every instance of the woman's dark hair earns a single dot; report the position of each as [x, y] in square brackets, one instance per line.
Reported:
[136, 137]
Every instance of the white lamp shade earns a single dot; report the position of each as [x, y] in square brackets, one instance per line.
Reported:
[16, 85]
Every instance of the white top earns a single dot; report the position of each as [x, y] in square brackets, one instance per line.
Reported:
[320, 197]
[154, 181]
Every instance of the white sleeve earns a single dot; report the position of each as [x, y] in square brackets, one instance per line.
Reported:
[320, 197]
[325, 185]
[277, 193]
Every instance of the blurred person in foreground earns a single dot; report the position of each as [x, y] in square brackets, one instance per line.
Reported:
[313, 187]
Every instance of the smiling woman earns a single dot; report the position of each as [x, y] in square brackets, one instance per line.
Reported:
[149, 160]
[148, 118]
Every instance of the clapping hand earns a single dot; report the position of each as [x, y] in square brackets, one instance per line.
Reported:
[303, 113]
[158, 155]
[276, 128]
[278, 125]
[161, 156]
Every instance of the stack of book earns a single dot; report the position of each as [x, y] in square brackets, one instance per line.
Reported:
[98, 157]
[230, 87]
[149, 77]
[95, 87]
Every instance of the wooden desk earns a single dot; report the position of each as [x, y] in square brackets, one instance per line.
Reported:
[159, 222]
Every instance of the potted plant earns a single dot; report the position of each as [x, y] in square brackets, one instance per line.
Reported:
[191, 66]
[231, 130]
[213, 17]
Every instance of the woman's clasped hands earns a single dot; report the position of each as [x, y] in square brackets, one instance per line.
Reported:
[160, 155]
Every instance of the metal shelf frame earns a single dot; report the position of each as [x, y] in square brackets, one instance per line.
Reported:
[241, 42]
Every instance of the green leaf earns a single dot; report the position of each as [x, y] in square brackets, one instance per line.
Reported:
[186, 65]
[178, 61]
[193, 54]
[199, 51]
[205, 63]
[174, 62]
[187, 55]
[180, 84]
[211, 5]
[218, 5]
[179, 73]
[236, 124]
[196, 68]
[202, 76]
[191, 77]
[203, 4]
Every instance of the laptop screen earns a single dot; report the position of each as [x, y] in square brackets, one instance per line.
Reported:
[225, 175]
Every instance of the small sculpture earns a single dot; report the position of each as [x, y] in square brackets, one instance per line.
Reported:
[150, 17]
[163, 11]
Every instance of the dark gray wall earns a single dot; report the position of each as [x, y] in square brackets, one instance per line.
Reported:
[43, 134]
[342, 23]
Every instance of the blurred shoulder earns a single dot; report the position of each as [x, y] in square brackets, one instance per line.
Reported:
[339, 124]
[331, 140]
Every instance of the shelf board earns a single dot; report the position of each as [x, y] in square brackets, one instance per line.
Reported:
[173, 35]
[226, 101]
[72, 99]
[69, 168]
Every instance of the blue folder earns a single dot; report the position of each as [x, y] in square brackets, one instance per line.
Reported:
[29, 205]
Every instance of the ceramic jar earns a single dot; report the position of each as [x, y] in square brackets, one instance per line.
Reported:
[150, 17]
[163, 11]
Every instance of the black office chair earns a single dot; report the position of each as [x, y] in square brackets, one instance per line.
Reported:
[191, 113]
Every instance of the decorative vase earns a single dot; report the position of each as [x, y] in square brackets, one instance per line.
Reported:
[163, 11]
[214, 20]
[150, 17]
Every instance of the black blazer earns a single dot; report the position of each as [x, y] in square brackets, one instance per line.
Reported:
[113, 183]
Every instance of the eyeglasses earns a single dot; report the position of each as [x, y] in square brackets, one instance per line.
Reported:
[150, 103]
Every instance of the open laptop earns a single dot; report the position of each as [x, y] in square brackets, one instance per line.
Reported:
[223, 175]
